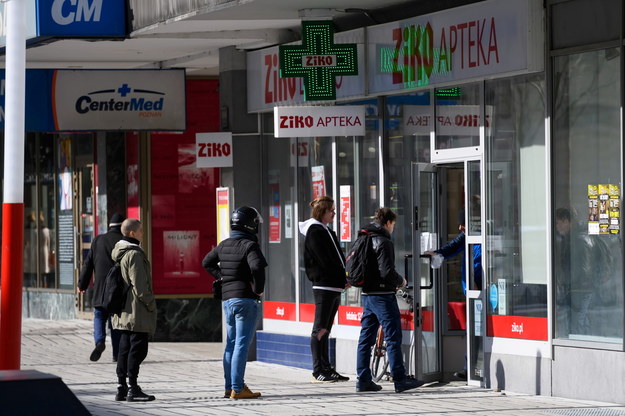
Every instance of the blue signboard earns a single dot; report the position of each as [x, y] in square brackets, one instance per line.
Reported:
[81, 18]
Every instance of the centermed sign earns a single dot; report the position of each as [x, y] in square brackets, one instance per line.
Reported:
[319, 60]
[319, 121]
[119, 100]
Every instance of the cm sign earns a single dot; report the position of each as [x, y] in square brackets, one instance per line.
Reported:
[81, 18]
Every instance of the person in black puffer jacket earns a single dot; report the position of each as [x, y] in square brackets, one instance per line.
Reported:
[325, 268]
[380, 308]
[240, 264]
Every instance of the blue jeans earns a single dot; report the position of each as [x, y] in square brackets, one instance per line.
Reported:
[241, 316]
[100, 318]
[380, 310]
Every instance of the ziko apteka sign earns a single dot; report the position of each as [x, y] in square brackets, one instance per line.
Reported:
[315, 121]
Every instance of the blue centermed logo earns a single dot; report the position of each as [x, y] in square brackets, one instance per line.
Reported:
[124, 98]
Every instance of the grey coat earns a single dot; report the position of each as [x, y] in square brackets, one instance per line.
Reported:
[139, 311]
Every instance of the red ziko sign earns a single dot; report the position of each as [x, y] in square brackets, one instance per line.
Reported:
[522, 327]
[279, 310]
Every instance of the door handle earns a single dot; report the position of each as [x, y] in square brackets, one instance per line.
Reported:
[406, 257]
[431, 272]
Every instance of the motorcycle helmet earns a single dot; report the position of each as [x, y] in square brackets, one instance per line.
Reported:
[245, 219]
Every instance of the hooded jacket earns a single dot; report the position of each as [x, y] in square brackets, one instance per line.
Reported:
[385, 279]
[323, 259]
[240, 263]
[99, 261]
[139, 311]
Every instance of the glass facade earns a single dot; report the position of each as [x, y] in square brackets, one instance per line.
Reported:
[516, 233]
[587, 154]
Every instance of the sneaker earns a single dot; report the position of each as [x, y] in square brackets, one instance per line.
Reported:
[122, 393]
[245, 393]
[333, 374]
[462, 375]
[370, 386]
[135, 394]
[407, 384]
[227, 394]
[97, 351]
[323, 378]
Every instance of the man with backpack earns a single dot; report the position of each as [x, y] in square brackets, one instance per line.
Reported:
[380, 307]
[97, 264]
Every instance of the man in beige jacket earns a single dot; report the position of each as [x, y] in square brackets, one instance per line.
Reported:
[137, 320]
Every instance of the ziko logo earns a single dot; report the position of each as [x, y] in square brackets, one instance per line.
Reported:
[145, 107]
[65, 12]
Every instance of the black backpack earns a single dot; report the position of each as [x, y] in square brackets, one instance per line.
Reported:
[358, 259]
[115, 290]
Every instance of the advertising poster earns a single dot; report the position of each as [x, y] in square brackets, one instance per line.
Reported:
[345, 213]
[318, 181]
[288, 221]
[604, 218]
[182, 254]
[223, 214]
[614, 208]
[274, 214]
[593, 209]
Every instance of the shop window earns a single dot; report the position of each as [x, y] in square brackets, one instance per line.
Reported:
[584, 22]
[39, 211]
[278, 214]
[457, 117]
[516, 225]
[587, 149]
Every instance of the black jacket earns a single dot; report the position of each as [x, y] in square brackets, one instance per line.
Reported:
[240, 263]
[384, 279]
[324, 261]
[99, 260]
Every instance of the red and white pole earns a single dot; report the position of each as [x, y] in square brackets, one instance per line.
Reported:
[13, 201]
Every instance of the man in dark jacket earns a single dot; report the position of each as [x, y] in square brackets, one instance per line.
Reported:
[380, 308]
[99, 261]
[240, 264]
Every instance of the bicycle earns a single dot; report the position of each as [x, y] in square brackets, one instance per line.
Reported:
[379, 360]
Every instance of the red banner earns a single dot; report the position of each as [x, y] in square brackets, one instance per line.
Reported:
[350, 315]
[279, 310]
[306, 312]
[522, 327]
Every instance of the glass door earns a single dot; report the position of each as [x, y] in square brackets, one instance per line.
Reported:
[427, 289]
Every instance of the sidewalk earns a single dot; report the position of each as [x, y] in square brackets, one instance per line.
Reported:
[187, 379]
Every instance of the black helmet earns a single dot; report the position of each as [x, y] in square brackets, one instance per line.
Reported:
[245, 219]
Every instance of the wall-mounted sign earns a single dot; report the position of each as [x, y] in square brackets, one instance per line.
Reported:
[319, 121]
[223, 214]
[81, 18]
[89, 100]
[213, 150]
[318, 60]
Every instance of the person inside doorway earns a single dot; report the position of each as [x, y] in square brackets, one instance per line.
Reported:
[456, 247]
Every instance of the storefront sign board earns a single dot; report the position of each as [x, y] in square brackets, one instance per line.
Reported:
[213, 150]
[309, 121]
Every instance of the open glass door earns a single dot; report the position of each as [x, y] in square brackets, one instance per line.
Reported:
[427, 290]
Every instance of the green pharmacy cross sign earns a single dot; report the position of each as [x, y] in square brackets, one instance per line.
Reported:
[319, 60]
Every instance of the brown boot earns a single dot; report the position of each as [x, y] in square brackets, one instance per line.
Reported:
[245, 393]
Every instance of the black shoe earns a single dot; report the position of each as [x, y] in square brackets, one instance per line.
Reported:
[333, 374]
[462, 375]
[323, 378]
[135, 394]
[114, 359]
[97, 351]
[370, 386]
[122, 393]
[407, 384]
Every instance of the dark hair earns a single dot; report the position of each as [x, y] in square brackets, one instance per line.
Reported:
[320, 206]
[383, 215]
[563, 214]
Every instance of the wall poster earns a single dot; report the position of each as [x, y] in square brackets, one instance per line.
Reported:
[604, 209]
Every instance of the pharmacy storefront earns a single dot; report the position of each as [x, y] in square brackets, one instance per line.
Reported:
[476, 115]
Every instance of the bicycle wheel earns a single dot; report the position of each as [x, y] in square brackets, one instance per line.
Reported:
[379, 360]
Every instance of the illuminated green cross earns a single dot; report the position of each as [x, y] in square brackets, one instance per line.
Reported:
[319, 60]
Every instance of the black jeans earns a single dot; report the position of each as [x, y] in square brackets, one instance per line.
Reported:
[133, 348]
[326, 306]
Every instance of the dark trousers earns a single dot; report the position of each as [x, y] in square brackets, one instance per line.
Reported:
[326, 306]
[133, 348]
